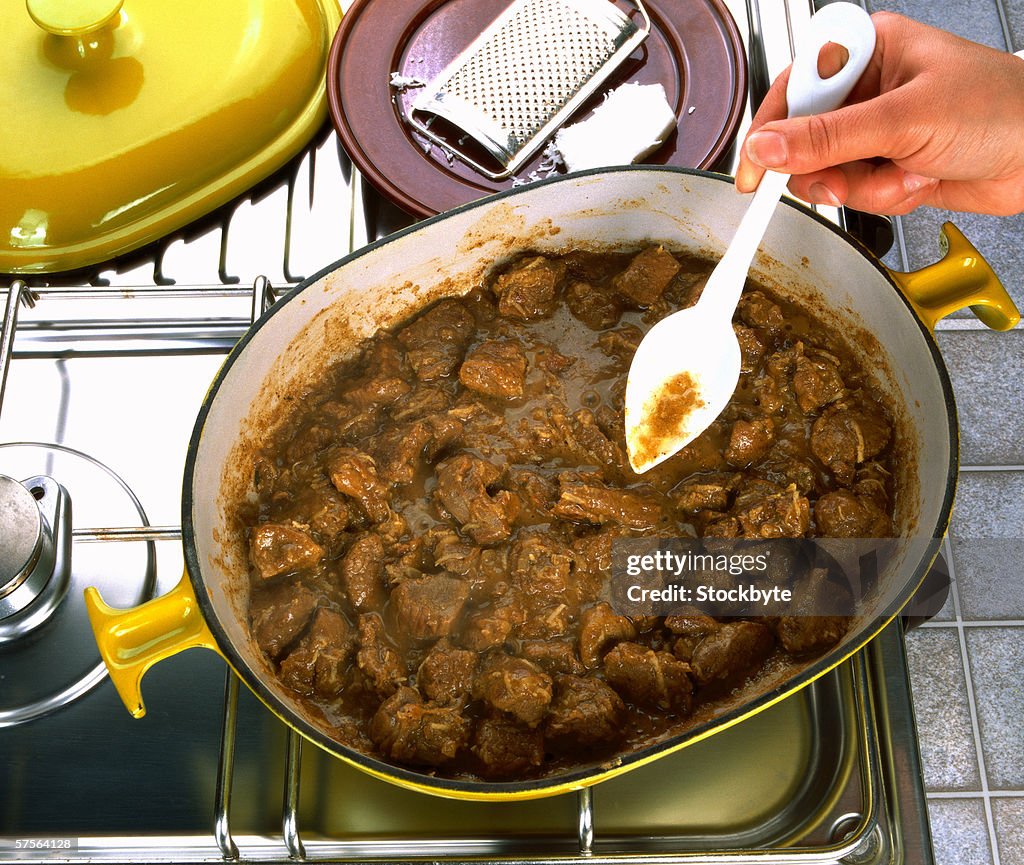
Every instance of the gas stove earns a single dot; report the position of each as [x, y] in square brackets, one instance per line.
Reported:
[101, 382]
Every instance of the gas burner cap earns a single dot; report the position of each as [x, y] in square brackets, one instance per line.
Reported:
[36, 515]
[21, 527]
[48, 655]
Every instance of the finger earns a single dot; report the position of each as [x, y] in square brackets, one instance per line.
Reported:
[801, 145]
[827, 186]
[748, 173]
[831, 59]
[885, 188]
[997, 198]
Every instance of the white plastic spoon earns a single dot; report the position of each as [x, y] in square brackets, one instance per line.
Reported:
[686, 368]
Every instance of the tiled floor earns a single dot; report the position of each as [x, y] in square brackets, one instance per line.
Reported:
[966, 664]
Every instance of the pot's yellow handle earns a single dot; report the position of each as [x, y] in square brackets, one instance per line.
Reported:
[961, 278]
[131, 641]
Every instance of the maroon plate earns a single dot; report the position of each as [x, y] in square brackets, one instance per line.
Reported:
[694, 50]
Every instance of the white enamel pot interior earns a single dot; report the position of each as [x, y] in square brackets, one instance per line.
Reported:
[803, 257]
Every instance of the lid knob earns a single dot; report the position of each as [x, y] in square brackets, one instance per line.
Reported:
[72, 17]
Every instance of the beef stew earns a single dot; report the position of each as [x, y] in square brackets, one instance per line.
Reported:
[431, 537]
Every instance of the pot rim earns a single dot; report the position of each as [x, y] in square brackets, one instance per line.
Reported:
[593, 773]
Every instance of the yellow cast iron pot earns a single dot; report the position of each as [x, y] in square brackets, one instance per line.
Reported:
[890, 316]
[121, 122]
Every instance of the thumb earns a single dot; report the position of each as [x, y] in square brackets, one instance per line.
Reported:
[801, 145]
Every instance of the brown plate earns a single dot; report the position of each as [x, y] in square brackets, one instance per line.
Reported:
[694, 50]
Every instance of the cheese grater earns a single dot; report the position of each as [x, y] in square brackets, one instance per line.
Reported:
[526, 73]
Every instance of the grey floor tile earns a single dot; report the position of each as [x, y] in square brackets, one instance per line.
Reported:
[1015, 17]
[959, 832]
[990, 579]
[987, 370]
[988, 505]
[1008, 816]
[985, 537]
[996, 655]
[977, 20]
[943, 714]
[998, 239]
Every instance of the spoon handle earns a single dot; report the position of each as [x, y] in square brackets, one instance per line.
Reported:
[725, 285]
[807, 93]
[846, 24]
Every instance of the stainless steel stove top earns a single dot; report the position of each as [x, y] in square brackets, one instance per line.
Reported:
[101, 395]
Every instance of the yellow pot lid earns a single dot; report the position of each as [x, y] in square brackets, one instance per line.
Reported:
[123, 120]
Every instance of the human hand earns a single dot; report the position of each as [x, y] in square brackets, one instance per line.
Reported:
[935, 119]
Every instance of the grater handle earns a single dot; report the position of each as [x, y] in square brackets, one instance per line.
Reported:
[422, 129]
[646, 29]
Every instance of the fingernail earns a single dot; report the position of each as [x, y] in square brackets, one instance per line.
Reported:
[819, 193]
[767, 149]
[914, 182]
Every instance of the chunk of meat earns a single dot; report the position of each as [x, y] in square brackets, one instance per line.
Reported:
[398, 453]
[749, 441]
[584, 712]
[490, 629]
[446, 433]
[541, 566]
[435, 341]
[690, 628]
[727, 527]
[751, 347]
[594, 305]
[806, 632]
[601, 450]
[278, 614]
[583, 502]
[621, 343]
[276, 549]
[872, 483]
[552, 656]
[529, 289]
[384, 382]
[421, 402]
[844, 437]
[646, 276]
[810, 635]
[328, 515]
[780, 515]
[407, 729]
[495, 368]
[537, 494]
[817, 382]
[842, 514]
[454, 553]
[354, 474]
[648, 678]
[378, 660]
[757, 311]
[319, 663]
[428, 607]
[514, 687]
[600, 628]
[546, 622]
[731, 653]
[505, 749]
[362, 573]
[446, 673]
[694, 497]
[462, 483]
